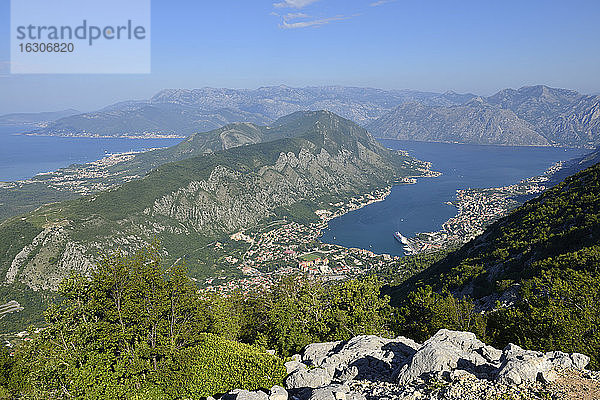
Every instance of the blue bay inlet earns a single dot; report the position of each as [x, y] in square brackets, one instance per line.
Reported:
[422, 207]
[22, 157]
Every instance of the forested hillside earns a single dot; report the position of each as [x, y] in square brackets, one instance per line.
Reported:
[535, 272]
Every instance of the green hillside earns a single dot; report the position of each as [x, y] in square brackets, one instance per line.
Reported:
[318, 159]
[535, 275]
[77, 180]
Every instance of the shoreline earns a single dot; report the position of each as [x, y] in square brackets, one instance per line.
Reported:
[489, 144]
[477, 208]
[104, 136]
[286, 244]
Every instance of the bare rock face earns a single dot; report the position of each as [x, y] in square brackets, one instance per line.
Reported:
[451, 351]
[278, 393]
[365, 357]
[447, 351]
[239, 394]
[317, 353]
[335, 392]
[520, 365]
[293, 365]
[313, 378]
[450, 365]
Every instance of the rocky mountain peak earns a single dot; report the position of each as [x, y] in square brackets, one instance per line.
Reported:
[477, 102]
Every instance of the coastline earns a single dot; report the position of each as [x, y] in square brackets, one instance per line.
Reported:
[476, 209]
[285, 245]
[151, 136]
[486, 144]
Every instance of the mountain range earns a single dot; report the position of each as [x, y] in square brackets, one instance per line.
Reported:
[80, 179]
[181, 112]
[529, 116]
[304, 162]
[532, 115]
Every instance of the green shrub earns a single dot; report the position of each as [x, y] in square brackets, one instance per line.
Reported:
[218, 365]
[559, 310]
[424, 312]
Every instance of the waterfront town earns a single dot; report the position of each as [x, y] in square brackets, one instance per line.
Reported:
[285, 247]
[81, 179]
[477, 208]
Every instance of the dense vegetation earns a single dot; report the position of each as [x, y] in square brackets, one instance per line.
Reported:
[545, 254]
[136, 329]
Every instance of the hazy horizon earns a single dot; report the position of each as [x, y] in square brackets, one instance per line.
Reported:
[100, 106]
[434, 46]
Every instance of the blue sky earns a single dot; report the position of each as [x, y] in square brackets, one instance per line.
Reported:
[467, 46]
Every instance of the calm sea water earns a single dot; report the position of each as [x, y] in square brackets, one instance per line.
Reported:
[409, 208]
[22, 157]
[421, 207]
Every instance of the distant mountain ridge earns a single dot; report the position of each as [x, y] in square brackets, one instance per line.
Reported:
[529, 116]
[358, 104]
[474, 122]
[35, 118]
[76, 180]
[141, 119]
[532, 115]
[181, 112]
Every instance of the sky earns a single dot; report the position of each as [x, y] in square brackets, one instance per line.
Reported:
[466, 46]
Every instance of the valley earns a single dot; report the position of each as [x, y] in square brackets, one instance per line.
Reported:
[320, 161]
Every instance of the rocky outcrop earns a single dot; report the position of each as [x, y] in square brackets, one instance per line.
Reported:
[450, 365]
[447, 351]
[518, 365]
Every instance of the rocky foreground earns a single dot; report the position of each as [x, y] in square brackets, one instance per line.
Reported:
[450, 365]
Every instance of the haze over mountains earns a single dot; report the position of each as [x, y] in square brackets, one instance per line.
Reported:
[532, 115]
[181, 112]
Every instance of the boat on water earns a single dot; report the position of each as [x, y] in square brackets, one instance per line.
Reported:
[399, 237]
[408, 248]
